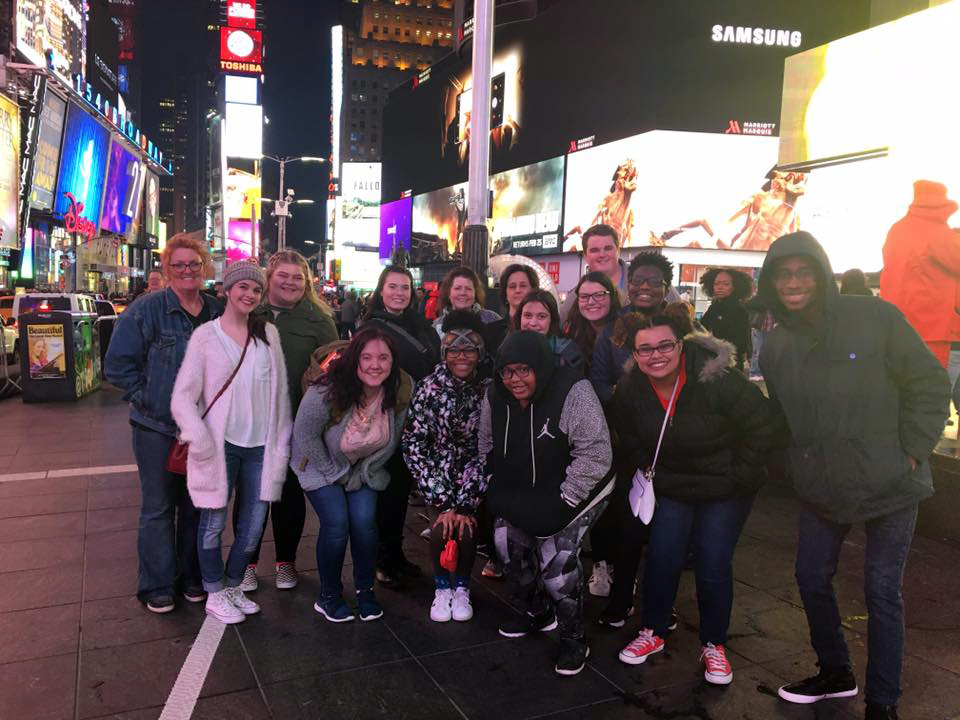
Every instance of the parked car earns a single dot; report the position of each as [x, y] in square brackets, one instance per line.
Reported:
[6, 307]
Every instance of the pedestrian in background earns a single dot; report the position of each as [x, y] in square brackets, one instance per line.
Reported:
[232, 407]
[461, 289]
[416, 351]
[149, 342]
[865, 401]
[601, 252]
[304, 322]
[719, 429]
[854, 282]
[727, 318]
[349, 312]
[347, 429]
[155, 281]
[440, 448]
[538, 312]
[516, 282]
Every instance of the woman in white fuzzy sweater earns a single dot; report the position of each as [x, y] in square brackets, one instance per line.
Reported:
[243, 441]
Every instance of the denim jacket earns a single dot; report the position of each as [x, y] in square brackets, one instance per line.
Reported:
[145, 353]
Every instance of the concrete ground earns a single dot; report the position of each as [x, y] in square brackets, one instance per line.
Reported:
[75, 643]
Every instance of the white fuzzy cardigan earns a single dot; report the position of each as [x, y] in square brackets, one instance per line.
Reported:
[204, 371]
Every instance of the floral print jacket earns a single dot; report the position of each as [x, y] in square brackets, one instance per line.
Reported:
[440, 441]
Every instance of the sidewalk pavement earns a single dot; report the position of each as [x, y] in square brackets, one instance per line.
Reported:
[76, 643]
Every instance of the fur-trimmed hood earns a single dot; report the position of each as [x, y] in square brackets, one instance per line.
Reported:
[709, 357]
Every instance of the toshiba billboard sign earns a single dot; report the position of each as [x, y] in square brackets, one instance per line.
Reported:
[242, 14]
[241, 51]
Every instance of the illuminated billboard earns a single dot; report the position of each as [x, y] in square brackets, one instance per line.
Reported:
[55, 27]
[9, 172]
[395, 219]
[241, 89]
[47, 158]
[242, 13]
[83, 161]
[241, 194]
[682, 189]
[240, 241]
[358, 221]
[243, 131]
[439, 219]
[122, 192]
[241, 51]
[527, 207]
[151, 206]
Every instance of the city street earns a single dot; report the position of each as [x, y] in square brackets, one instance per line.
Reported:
[77, 644]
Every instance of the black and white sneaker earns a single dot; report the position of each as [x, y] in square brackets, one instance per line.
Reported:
[573, 656]
[614, 617]
[520, 625]
[826, 684]
[160, 604]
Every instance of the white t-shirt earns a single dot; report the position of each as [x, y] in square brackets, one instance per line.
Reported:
[247, 421]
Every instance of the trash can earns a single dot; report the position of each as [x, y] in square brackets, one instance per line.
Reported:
[62, 355]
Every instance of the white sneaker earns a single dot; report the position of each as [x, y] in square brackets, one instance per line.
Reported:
[460, 608]
[219, 606]
[440, 611]
[250, 582]
[241, 601]
[286, 576]
[600, 579]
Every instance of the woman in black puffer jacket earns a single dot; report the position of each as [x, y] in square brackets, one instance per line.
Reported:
[727, 318]
[710, 466]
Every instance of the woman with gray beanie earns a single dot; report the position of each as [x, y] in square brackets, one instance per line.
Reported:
[232, 406]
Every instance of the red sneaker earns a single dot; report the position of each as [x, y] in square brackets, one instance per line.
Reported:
[718, 667]
[645, 645]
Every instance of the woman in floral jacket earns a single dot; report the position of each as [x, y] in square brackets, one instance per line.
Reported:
[440, 449]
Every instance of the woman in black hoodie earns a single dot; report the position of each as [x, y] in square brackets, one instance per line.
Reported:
[727, 318]
[547, 448]
[417, 352]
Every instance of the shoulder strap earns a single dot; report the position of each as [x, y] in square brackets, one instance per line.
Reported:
[666, 421]
[417, 345]
[229, 379]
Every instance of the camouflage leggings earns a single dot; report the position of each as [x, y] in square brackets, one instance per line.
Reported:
[546, 572]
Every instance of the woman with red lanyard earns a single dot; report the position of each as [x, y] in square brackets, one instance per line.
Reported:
[710, 464]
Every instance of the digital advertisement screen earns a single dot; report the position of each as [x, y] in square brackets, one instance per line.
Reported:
[242, 13]
[47, 159]
[527, 207]
[151, 206]
[241, 89]
[241, 194]
[395, 224]
[53, 25]
[439, 219]
[243, 131]
[682, 189]
[9, 172]
[83, 163]
[358, 221]
[122, 192]
[239, 240]
[241, 50]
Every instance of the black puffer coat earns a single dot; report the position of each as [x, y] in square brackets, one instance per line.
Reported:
[715, 446]
[727, 319]
[415, 340]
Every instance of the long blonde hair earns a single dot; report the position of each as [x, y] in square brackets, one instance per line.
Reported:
[292, 257]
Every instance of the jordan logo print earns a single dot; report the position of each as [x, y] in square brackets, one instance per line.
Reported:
[546, 431]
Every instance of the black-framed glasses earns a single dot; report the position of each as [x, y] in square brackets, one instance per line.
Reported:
[522, 372]
[651, 281]
[665, 348]
[182, 267]
[462, 353]
[596, 297]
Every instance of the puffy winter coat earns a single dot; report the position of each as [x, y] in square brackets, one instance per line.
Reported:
[728, 319]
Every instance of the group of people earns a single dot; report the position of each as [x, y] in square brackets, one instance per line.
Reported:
[529, 432]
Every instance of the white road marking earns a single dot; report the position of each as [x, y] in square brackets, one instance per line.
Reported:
[23, 476]
[186, 690]
[69, 472]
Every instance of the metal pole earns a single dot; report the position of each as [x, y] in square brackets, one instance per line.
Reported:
[475, 236]
[282, 220]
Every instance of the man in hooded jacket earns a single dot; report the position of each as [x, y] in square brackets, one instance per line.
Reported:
[865, 401]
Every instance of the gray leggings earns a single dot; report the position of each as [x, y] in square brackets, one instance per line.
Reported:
[547, 571]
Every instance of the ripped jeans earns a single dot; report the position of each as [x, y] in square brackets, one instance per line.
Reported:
[244, 467]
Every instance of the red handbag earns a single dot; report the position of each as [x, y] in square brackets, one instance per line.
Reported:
[448, 558]
[177, 455]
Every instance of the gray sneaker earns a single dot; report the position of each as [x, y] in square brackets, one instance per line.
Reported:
[286, 576]
[250, 582]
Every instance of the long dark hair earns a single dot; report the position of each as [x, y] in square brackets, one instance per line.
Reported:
[257, 327]
[345, 387]
[376, 301]
[546, 299]
[578, 328]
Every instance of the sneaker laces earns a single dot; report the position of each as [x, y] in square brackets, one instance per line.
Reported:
[715, 658]
[643, 643]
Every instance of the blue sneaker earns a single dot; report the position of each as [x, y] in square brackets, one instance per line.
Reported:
[334, 609]
[369, 607]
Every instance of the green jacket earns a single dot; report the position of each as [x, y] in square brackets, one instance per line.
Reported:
[861, 394]
[302, 330]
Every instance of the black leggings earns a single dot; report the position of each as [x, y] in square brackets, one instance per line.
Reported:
[466, 548]
[392, 514]
[628, 536]
[288, 515]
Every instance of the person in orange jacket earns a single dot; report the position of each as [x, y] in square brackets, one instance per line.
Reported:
[921, 267]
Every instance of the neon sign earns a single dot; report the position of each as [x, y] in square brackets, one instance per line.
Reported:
[74, 221]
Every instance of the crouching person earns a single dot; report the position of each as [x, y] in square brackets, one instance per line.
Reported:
[547, 448]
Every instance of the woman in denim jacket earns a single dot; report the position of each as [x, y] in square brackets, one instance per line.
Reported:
[145, 353]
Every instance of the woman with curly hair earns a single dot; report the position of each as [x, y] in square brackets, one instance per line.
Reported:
[727, 318]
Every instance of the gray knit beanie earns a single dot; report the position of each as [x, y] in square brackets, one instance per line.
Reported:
[243, 270]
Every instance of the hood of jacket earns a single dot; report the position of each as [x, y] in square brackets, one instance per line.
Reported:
[797, 243]
[711, 357]
[530, 348]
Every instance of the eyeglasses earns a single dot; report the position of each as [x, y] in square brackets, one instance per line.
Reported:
[521, 372]
[651, 281]
[463, 353]
[182, 267]
[665, 348]
[803, 274]
[596, 297]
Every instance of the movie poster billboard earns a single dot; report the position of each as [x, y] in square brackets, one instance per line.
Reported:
[54, 26]
[122, 192]
[151, 207]
[9, 172]
[527, 208]
[395, 219]
[439, 219]
[46, 351]
[682, 189]
[47, 158]
[358, 221]
[83, 163]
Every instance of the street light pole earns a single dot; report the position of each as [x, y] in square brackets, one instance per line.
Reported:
[281, 208]
[282, 218]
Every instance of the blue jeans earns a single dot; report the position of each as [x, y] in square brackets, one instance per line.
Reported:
[818, 550]
[244, 467]
[711, 531]
[167, 533]
[345, 514]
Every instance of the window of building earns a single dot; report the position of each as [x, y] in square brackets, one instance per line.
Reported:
[363, 83]
[429, 22]
[375, 85]
[429, 33]
[397, 32]
[377, 15]
[418, 33]
[376, 54]
[376, 28]
[406, 33]
[361, 97]
[386, 30]
[353, 137]
[360, 52]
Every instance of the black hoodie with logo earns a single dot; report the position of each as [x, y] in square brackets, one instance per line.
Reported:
[550, 461]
